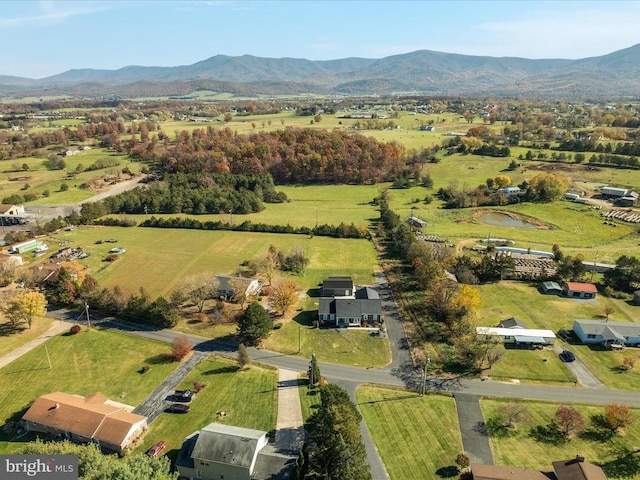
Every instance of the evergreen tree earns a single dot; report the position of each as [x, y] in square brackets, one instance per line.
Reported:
[254, 324]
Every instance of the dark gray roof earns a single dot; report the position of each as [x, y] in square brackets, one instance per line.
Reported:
[184, 455]
[349, 307]
[271, 465]
[337, 282]
[366, 293]
[512, 322]
[227, 444]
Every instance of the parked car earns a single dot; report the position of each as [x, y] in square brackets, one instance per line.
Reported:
[184, 395]
[156, 449]
[178, 408]
[567, 356]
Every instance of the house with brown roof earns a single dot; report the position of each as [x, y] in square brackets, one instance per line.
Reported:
[6, 209]
[577, 469]
[580, 290]
[574, 469]
[495, 472]
[93, 418]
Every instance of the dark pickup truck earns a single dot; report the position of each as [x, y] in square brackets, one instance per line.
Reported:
[184, 395]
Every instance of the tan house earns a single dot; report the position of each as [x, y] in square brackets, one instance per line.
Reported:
[93, 418]
[494, 472]
[574, 469]
[6, 209]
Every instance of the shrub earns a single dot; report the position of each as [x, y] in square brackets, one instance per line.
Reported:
[144, 369]
[277, 326]
[75, 329]
[201, 317]
[197, 386]
[180, 348]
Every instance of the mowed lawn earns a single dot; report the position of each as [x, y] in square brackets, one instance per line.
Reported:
[248, 398]
[158, 259]
[522, 300]
[415, 436]
[528, 446]
[90, 361]
[531, 366]
[12, 338]
[351, 347]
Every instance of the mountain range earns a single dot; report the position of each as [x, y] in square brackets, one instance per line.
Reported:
[613, 76]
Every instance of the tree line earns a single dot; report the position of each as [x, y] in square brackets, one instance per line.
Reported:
[337, 231]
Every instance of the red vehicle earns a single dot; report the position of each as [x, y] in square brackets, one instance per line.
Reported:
[156, 449]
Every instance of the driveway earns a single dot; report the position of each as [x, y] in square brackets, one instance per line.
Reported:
[160, 398]
[583, 375]
[475, 438]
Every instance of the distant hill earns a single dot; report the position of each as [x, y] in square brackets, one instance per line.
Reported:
[615, 75]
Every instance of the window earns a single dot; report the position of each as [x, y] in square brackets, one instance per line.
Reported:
[507, 337]
[591, 335]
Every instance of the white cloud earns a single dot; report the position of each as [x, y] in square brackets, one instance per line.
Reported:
[51, 13]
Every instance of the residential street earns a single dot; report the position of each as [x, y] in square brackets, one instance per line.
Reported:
[399, 373]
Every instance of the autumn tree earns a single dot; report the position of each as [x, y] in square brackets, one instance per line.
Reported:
[568, 420]
[546, 187]
[502, 181]
[617, 416]
[181, 347]
[243, 357]
[196, 289]
[512, 412]
[628, 363]
[24, 306]
[608, 310]
[283, 296]
[463, 461]
[254, 324]
[268, 264]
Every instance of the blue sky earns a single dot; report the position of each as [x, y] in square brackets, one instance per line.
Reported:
[42, 38]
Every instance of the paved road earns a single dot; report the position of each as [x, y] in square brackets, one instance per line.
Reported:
[475, 438]
[403, 377]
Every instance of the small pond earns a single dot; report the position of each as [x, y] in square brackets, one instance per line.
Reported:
[503, 220]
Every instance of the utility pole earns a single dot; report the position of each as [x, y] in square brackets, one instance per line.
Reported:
[48, 358]
[299, 340]
[424, 374]
[86, 309]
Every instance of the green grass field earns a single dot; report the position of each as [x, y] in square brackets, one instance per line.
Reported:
[168, 255]
[13, 338]
[352, 347]
[529, 447]
[531, 366]
[227, 391]
[91, 361]
[417, 437]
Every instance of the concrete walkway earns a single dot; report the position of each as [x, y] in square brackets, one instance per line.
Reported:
[475, 438]
[289, 426]
[56, 328]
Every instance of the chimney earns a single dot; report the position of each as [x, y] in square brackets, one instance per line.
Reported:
[579, 458]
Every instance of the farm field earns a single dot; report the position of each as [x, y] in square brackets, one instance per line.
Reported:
[227, 391]
[530, 446]
[90, 361]
[37, 179]
[168, 255]
[417, 437]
